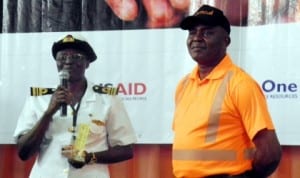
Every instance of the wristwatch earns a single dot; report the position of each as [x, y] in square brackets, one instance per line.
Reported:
[93, 160]
[90, 158]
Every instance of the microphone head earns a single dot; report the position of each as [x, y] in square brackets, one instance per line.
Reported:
[64, 74]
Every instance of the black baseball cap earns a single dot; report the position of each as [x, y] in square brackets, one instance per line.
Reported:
[206, 15]
[79, 43]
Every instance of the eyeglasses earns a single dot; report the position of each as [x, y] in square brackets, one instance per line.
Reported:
[78, 58]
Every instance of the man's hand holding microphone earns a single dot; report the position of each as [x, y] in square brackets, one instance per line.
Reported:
[62, 96]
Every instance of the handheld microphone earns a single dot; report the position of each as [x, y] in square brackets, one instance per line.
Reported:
[64, 76]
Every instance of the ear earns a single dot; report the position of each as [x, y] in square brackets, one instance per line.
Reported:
[227, 40]
[87, 65]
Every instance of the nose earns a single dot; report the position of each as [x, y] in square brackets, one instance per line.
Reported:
[198, 35]
[69, 59]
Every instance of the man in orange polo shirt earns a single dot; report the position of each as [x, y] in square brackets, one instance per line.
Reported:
[222, 125]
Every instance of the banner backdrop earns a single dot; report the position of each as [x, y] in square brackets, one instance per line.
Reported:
[145, 65]
[144, 55]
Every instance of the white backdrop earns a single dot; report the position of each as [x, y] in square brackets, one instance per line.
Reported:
[147, 64]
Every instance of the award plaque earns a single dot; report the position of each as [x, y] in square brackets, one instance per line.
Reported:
[80, 142]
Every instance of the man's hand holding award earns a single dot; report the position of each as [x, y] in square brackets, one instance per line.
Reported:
[76, 153]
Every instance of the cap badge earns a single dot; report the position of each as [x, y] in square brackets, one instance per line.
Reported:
[68, 39]
[205, 13]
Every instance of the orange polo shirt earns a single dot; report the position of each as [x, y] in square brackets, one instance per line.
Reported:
[215, 120]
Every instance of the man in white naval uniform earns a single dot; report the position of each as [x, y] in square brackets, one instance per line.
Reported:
[42, 131]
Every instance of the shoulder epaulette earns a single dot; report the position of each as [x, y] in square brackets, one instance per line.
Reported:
[37, 91]
[105, 90]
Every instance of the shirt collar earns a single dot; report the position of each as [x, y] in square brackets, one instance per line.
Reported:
[219, 71]
[89, 94]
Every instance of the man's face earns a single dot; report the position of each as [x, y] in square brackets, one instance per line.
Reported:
[207, 45]
[73, 61]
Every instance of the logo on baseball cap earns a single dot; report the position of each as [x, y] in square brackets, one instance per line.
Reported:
[206, 15]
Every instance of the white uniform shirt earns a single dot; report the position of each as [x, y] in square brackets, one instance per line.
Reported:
[95, 107]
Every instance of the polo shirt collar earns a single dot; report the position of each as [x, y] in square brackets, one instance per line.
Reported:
[219, 71]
